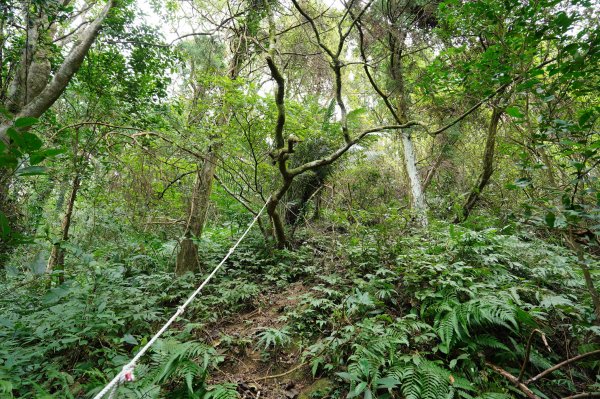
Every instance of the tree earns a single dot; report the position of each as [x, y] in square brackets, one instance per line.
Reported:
[284, 148]
[30, 84]
[31, 91]
[187, 258]
[396, 33]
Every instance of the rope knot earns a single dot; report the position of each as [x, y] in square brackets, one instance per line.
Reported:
[128, 375]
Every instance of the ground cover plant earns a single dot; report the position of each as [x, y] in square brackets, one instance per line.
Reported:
[419, 181]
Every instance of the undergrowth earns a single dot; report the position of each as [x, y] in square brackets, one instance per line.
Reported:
[388, 315]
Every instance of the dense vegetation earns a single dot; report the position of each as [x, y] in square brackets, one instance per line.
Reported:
[424, 177]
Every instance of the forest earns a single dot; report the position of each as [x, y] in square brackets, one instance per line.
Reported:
[300, 199]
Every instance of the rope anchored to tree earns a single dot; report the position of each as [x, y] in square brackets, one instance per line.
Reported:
[126, 374]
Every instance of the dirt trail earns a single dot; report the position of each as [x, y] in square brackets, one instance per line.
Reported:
[246, 365]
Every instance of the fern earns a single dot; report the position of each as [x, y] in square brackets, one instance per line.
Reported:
[188, 362]
[488, 341]
[424, 379]
[222, 391]
[456, 325]
[411, 382]
[494, 395]
[435, 381]
[273, 338]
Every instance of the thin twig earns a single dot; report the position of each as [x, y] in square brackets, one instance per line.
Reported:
[522, 387]
[528, 350]
[561, 364]
[583, 395]
[290, 371]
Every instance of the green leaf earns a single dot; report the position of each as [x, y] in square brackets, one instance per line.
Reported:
[523, 182]
[25, 122]
[563, 20]
[31, 142]
[5, 112]
[130, 339]
[4, 226]
[8, 160]
[388, 383]
[584, 118]
[39, 156]
[572, 48]
[550, 219]
[6, 387]
[26, 142]
[514, 112]
[556, 300]
[31, 171]
[55, 294]
[15, 137]
[356, 113]
[359, 388]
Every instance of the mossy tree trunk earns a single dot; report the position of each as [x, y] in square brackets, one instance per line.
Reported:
[187, 257]
[487, 166]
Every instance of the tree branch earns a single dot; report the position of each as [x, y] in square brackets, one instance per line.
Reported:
[232, 194]
[522, 387]
[279, 101]
[181, 176]
[528, 350]
[68, 68]
[561, 364]
[489, 97]
[313, 25]
[342, 150]
[141, 132]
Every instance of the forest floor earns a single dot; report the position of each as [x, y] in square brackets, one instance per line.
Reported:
[433, 305]
[281, 374]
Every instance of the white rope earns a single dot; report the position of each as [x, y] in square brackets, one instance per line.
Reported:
[126, 374]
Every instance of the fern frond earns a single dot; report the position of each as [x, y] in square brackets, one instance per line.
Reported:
[223, 391]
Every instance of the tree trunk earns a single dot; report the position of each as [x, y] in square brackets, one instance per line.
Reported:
[32, 92]
[5, 212]
[549, 167]
[57, 255]
[318, 199]
[276, 219]
[278, 228]
[487, 166]
[398, 87]
[410, 163]
[46, 93]
[187, 258]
